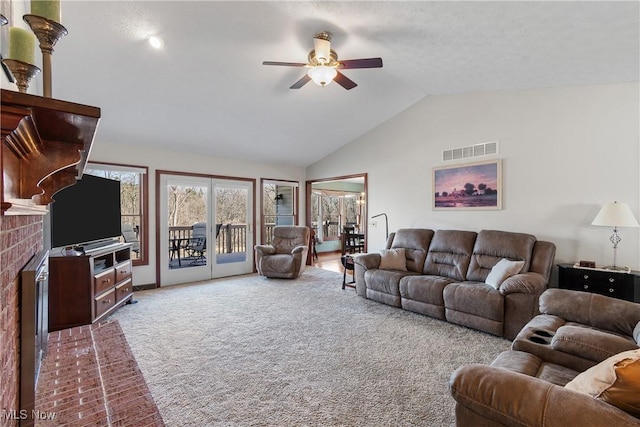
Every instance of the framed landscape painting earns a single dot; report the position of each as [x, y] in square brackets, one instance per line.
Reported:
[468, 186]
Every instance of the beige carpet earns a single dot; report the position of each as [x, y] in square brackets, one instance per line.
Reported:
[253, 351]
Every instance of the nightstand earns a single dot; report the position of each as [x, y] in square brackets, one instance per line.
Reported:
[614, 284]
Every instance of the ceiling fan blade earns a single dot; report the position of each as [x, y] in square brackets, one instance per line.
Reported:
[361, 63]
[284, 64]
[344, 81]
[303, 81]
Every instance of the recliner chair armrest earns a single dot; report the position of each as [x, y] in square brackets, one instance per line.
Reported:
[298, 249]
[265, 249]
[528, 283]
[511, 398]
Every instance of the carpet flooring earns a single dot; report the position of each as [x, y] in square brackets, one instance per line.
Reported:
[248, 350]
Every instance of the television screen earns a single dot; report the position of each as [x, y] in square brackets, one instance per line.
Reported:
[85, 212]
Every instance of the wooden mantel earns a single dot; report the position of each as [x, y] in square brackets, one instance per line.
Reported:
[45, 146]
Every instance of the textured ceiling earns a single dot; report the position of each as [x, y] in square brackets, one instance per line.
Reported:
[208, 92]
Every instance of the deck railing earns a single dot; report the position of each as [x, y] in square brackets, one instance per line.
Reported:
[231, 238]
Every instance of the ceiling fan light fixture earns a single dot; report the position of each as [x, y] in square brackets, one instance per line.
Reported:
[322, 75]
[155, 42]
[322, 47]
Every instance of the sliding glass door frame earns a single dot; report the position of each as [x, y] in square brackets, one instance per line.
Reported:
[162, 175]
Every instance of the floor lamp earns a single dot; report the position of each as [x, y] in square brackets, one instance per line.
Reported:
[615, 215]
[386, 224]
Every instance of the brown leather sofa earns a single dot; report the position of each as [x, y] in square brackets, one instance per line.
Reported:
[446, 272]
[526, 385]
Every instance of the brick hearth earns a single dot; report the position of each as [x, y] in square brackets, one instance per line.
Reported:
[90, 377]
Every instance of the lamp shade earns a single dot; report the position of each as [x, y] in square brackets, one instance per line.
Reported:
[322, 75]
[615, 215]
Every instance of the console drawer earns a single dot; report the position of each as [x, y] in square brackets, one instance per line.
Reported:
[104, 280]
[609, 283]
[123, 271]
[105, 302]
[123, 290]
[602, 284]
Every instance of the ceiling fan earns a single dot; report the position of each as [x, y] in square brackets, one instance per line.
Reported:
[323, 64]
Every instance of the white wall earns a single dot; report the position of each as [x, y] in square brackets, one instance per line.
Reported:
[566, 151]
[156, 159]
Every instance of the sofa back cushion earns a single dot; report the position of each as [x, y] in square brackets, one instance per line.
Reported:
[449, 254]
[493, 245]
[542, 258]
[287, 237]
[598, 311]
[416, 242]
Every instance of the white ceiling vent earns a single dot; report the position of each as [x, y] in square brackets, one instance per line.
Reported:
[477, 150]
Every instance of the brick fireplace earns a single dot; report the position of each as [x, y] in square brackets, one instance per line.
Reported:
[20, 238]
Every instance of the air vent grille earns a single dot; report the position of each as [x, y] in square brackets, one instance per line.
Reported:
[477, 150]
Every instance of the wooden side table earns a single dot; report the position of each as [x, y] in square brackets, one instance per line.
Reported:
[347, 263]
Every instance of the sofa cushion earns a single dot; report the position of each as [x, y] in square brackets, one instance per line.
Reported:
[478, 299]
[449, 254]
[416, 242]
[393, 259]
[533, 366]
[493, 245]
[277, 263]
[385, 281]
[424, 288]
[502, 271]
[615, 381]
[589, 343]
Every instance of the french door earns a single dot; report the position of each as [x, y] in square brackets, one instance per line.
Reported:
[206, 228]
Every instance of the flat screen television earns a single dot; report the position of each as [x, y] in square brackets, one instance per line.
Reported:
[86, 212]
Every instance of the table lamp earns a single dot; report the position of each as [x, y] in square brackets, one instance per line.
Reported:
[615, 215]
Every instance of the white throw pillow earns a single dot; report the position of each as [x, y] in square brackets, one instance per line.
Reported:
[636, 333]
[393, 259]
[502, 271]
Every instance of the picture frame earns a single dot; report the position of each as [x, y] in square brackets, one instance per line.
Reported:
[470, 186]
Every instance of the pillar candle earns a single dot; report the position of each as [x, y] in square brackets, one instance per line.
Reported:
[49, 9]
[21, 45]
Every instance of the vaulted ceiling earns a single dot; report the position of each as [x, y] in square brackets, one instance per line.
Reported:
[207, 91]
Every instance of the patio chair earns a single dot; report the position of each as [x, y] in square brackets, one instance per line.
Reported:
[129, 235]
[196, 245]
[286, 258]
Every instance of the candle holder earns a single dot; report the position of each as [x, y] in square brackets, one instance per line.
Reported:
[3, 20]
[48, 33]
[23, 72]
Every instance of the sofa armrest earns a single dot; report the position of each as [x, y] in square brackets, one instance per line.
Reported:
[511, 398]
[368, 261]
[265, 249]
[589, 343]
[528, 283]
[362, 263]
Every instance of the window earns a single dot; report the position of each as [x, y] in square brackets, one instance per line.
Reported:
[332, 210]
[279, 206]
[133, 204]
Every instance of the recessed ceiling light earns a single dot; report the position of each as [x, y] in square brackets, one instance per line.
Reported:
[155, 42]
